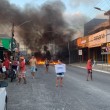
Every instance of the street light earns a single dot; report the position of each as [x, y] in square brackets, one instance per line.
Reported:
[13, 35]
[99, 9]
[106, 13]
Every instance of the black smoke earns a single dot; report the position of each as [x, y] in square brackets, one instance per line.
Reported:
[47, 22]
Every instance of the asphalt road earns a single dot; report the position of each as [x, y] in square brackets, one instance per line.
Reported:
[76, 94]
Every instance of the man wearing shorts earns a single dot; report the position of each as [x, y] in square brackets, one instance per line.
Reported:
[22, 68]
[33, 63]
[59, 75]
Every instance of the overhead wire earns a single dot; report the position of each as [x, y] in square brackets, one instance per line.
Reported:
[93, 12]
[108, 3]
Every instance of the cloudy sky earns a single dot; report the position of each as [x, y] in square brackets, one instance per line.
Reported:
[72, 6]
[77, 11]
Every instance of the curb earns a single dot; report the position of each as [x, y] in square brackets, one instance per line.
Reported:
[92, 69]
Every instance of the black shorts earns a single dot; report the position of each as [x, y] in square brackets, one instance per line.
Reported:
[60, 74]
[47, 65]
[89, 71]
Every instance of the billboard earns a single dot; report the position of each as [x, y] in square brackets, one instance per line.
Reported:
[82, 42]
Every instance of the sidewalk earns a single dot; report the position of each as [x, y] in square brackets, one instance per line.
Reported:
[104, 68]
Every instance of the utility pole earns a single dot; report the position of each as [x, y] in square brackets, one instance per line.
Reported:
[12, 41]
[69, 51]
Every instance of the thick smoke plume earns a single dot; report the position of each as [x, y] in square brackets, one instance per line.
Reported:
[46, 25]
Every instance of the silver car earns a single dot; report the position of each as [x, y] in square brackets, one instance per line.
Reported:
[3, 95]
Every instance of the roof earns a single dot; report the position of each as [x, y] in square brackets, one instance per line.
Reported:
[91, 25]
[101, 26]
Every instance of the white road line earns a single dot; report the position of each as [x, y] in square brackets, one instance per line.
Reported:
[93, 69]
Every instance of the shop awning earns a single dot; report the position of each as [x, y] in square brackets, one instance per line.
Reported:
[5, 43]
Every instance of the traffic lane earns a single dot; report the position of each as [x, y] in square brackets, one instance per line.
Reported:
[41, 93]
[100, 80]
[38, 94]
[85, 93]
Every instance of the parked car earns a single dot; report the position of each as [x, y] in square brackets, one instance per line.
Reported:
[3, 95]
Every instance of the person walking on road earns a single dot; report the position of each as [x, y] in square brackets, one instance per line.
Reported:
[22, 70]
[89, 69]
[33, 63]
[47, 64]
[60, 69]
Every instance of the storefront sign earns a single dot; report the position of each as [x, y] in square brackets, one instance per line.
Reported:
[82, 42]
[79, 52]
[97, 39]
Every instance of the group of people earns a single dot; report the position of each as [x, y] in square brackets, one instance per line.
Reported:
[7, 65]
[20, 67]
[4, 67]
[33, 67]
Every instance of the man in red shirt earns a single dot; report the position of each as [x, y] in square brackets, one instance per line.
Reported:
[22, 68]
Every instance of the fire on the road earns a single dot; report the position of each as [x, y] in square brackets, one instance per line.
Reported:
[42, 62]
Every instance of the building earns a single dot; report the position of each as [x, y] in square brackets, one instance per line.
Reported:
[5, 45]
[88, 27]
[91, 45]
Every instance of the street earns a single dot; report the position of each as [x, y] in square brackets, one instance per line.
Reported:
[76, 94]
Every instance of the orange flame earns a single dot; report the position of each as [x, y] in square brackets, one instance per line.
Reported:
[42, 62]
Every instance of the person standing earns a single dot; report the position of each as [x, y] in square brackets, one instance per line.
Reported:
[6, 63]
[60, 69]
[89, 69]
[22, 70]
[47, 64]
[33, 63]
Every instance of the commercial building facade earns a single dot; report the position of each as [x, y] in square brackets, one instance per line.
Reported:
[92, 46]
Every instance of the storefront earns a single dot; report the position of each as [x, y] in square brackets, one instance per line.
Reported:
[82, 44]
[94, 45]
[5, 47]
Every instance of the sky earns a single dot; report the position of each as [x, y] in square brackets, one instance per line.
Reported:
[72, 6]
[76, 12]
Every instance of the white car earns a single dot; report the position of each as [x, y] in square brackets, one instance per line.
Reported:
[3, 95]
